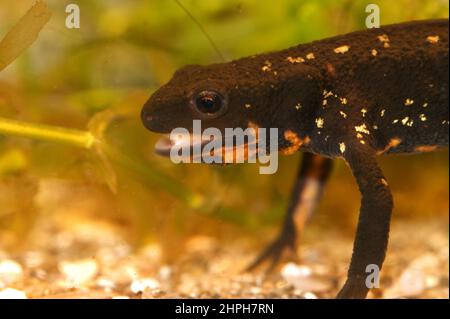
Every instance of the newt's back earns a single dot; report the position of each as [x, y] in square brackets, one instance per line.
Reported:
[398, 78]
[411, 86]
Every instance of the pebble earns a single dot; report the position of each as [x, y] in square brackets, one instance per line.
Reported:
[152, 252]
[106, 284]
[11, 293]
[256, 290]
[302, 278]
[142, 285]
[40, 274]
[412, 283]
[34, 259]
[79, 272]
[165, 273]
[416, 278]
[309, 295]
[431, 281]
[10, 271]
[291, 271]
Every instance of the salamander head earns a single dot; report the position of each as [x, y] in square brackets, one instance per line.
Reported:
[232, 95]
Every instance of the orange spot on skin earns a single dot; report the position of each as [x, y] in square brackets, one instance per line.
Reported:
[235, 153]
[318, 160]
[341, 49]
[319, 122]
[267, 66]
[296, 142]
[295, 60]
[330, 69]
[384, 39]
[342, 147]
[426, 148]
[239, 151]
[393, 142]
[253, 125]
[433, 39]
[362, 129]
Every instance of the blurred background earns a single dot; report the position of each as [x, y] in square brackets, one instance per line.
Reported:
[103, 73]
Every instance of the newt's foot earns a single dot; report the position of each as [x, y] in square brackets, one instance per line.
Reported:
[282, 248]
[354, 288]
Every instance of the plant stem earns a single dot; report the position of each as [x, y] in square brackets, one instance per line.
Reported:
[87, 140]
[78, 138]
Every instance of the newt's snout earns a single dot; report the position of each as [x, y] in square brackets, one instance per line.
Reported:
[147, 119]
[151, 120]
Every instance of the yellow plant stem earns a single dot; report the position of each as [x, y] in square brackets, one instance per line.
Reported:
[78, 138]
[87, 140]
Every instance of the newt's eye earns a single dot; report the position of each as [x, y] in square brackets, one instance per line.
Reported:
[209, 103]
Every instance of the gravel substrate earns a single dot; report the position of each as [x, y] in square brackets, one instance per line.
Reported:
[92, 261]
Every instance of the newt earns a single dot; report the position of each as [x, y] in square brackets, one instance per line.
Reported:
[352, 97]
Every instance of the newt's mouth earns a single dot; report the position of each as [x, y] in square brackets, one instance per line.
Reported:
[189, 142]
[190, 148]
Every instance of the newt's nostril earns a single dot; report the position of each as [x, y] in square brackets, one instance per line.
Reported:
[151, 121]
[146, 117]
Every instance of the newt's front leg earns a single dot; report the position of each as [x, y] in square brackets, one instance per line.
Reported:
[374, 219]
[312, 175]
